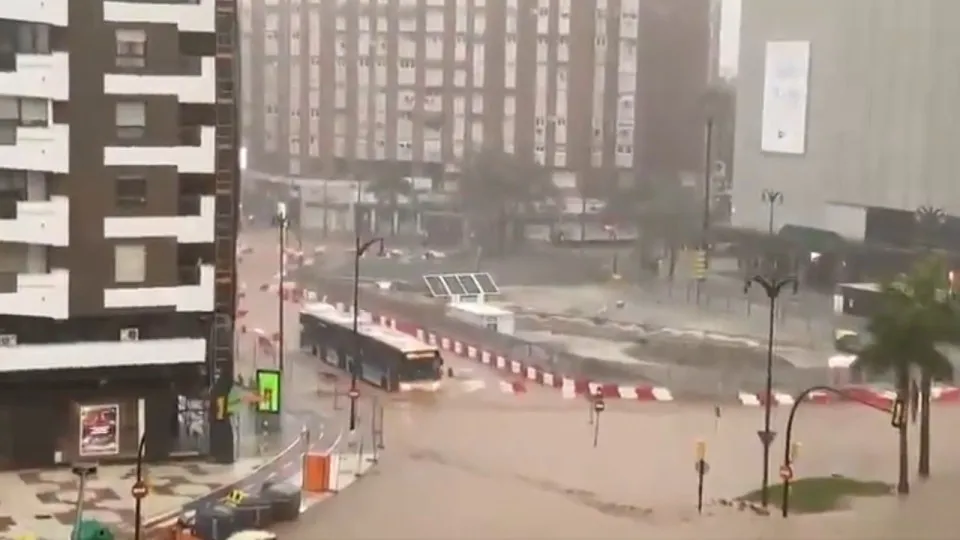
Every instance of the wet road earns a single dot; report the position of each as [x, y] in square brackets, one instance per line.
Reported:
[476, 461]
[494, 465]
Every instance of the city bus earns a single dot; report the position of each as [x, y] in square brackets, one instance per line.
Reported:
[389, 359]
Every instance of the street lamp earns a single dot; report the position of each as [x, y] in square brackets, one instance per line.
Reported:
[360, 249]
[281, 220]
[773, 198]
[139, 489]
[772, 287]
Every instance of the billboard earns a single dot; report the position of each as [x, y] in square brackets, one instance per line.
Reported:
[786, 80]
[100, 430]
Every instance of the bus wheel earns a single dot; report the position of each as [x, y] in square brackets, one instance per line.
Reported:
[314, 351]
[383, 382]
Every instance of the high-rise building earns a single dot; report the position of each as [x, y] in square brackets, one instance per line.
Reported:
[117, 226]
[847, 110]
[335, 88]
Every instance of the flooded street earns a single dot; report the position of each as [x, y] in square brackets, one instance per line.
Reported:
[489, 466]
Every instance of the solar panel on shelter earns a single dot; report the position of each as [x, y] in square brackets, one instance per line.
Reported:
[435, 286]
[486, 283]
[469, 284]
[464, 284]
[453, 284]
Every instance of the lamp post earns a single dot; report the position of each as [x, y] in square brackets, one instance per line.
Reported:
[772, 198]
[282, 222]
[772, 287]
[360, 249]
[139, 489]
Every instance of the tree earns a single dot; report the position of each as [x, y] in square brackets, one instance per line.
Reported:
[667, 215]
[915, 314]
[930, 220]
[496, 189]
[388, 188]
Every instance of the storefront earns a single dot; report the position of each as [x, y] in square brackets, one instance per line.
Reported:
[60, 417]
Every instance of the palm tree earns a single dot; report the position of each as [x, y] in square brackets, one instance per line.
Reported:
[929, 221]
[496, 188]
[915, 314]
[388, 188]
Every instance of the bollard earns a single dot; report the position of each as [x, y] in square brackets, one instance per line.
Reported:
[336, 398]
[359, 472]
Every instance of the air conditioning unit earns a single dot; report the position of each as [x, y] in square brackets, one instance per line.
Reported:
[8, 340]
[130, 334]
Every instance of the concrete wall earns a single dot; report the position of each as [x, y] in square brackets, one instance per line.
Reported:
[882, 125]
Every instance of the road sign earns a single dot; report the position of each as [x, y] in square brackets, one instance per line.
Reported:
[701, 466]
[786, 472]
[139, 489]
[767, 437]
[270, 390]
[353, 394]
[599, 405]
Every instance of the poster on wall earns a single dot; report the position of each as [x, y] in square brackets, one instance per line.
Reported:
[100, 430]
[786, 80]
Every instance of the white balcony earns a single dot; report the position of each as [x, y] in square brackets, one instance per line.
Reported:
[188, 17]
[186, 298]
[187, 159]
[187, 229]
[102, 354]
[39, 295]
[45, 223]
[44, 76]
[40, 11]
[38, 149]
[188, 88]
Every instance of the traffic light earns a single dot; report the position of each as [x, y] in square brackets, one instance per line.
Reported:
[700, 265]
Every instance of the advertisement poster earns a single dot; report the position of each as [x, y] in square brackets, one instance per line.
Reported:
[785, 93]
[99, 430]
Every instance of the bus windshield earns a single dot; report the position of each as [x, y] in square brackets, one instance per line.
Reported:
[421, 366]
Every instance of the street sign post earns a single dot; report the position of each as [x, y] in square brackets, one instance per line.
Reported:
[598, 407]
[139, 489]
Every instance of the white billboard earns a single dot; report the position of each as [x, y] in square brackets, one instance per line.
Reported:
[786, 80]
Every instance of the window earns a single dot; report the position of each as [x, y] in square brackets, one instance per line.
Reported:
[9, 120]
[131, 119]
[33, 38]
[130, 263]
[131, 48]
[131, 192]
[13, 189]
[34, 112]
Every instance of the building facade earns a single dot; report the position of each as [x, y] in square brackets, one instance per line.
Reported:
[337, 88]
[117, 225]
[863, 107]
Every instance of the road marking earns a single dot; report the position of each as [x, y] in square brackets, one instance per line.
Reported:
[473, 385]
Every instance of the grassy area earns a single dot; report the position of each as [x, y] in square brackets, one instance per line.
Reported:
[823, 494]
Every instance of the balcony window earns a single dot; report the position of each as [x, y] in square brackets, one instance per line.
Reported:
[33, 38]
[130, 263]
[9, 120]
[34, 113]
[13, 189]
[131, 119]
[131, 193]
[131, 48]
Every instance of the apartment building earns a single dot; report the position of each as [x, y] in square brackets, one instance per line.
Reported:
[589, 88]
[117, 226]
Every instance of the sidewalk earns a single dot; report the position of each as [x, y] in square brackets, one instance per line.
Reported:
[42, 503]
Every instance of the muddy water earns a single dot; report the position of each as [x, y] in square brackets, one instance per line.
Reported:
[524, 467]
